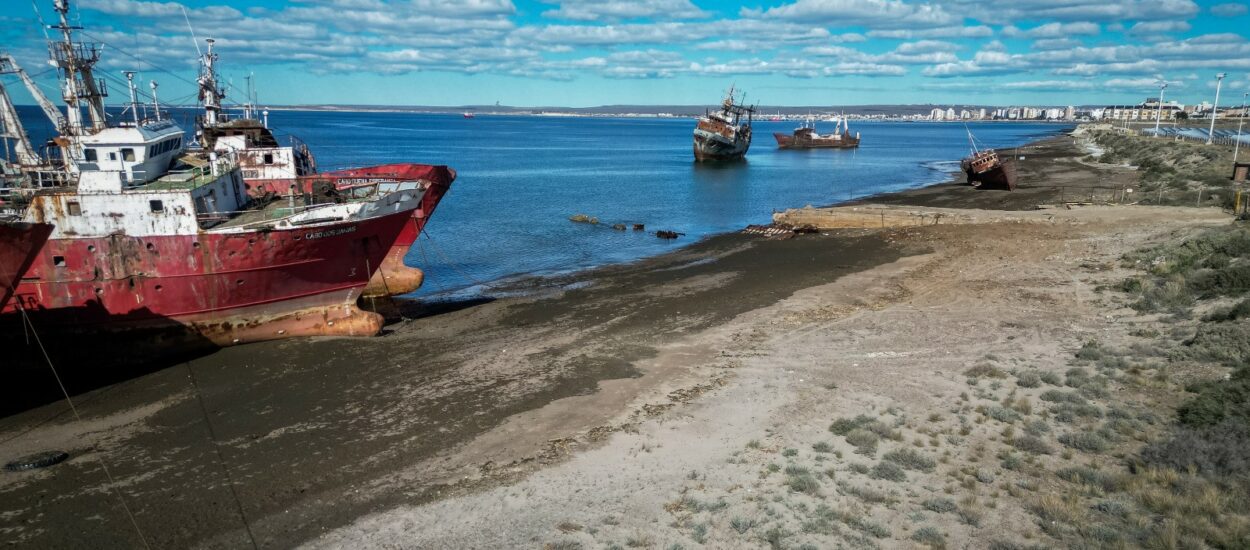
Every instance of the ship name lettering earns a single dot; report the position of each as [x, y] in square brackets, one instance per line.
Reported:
[330, 233]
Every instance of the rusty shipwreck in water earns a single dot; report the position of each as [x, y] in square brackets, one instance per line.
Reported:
[724, 134]
[805, 137]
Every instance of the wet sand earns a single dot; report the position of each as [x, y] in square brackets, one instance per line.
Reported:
[321, 437]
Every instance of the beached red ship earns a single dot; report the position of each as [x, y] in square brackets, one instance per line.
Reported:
[272, 170]
[20, 243]
[151, 241]
[986, 169]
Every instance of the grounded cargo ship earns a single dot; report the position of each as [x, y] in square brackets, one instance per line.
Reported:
[723, 134]
[987, 170]
[271, 170]
[805, 137]
[150, 241]
[20, 243]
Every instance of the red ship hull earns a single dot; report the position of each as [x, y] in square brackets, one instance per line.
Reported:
[393, 277]
[19, 245]
[220, 288]
[794, 141]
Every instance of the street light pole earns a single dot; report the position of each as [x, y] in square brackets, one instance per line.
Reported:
[1159, 116]
[1241, 120]
[1219, 79]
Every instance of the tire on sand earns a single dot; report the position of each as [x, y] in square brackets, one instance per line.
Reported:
[37, 460]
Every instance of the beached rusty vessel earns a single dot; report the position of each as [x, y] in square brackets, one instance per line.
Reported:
[20, 243]
[805, 137]
[724, 134]
[272, 170]
[986, 169]
[153, 241]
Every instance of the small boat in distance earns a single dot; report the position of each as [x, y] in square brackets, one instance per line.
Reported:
[723, 135]
[805, 137]
[468, 114]
[987, 170]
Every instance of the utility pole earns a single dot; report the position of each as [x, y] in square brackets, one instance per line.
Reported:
[1159, 116]
[1240, 121]
[1219, 79]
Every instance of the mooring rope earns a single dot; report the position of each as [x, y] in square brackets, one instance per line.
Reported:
[104, 464]
[221, 461]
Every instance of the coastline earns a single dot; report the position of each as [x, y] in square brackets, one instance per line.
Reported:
[583, 410]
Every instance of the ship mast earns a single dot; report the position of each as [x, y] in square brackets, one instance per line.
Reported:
[210, 94]
[11, 129]
[76, 61]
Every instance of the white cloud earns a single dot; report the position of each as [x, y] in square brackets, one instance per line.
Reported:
[616, 10]
[975, 31]
[1157, 27]
[1013, 11]
[1228, 10]
[1052, 30]
[879, 13]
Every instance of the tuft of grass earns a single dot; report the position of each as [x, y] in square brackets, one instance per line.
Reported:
[1031, 444]
[888, 471]
[1054, 508]
[911, 459]
[985, 370]
[929, 536]
[822, 447]
[742, 524]
[804, 482]
[1085, 475]
[698, 532]
[790, 453]
[1029, 379]
[1089, 442]
[1051, 378]
[1002, 414]
[1036, 427]
[867, 494]
[939, 505]
[865, 442]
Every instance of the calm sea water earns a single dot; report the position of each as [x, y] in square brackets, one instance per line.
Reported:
[521, 178]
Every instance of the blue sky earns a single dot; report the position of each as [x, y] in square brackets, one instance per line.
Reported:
[600, 52]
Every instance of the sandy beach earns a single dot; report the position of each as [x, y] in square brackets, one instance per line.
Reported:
[682, 401]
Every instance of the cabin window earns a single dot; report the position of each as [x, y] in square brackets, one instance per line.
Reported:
[128, 154]
[268, 158]
[58, 261]
[90, 155]
[157, 206]
[74, 208]
[112, 155]
[152, 150]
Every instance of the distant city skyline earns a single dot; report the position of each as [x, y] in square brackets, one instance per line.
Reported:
[582, 53]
